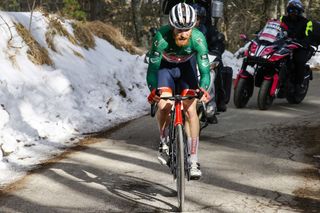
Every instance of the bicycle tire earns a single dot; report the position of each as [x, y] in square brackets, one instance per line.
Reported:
[265, 100]
[242, 94]
[180, 171]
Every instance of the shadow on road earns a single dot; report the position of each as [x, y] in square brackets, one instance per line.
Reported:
[124, 192]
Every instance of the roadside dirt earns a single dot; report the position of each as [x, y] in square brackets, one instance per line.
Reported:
[309, 138]
[304, 136]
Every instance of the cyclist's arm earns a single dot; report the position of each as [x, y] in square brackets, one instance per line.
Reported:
[201, 48]
[158, 45]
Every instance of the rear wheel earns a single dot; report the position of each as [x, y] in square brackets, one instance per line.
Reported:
[242, 93]
[295, 97]
[265, 100]
[180, 167]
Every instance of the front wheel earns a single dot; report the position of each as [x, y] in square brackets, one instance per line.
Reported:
[265, 100]
[180, 171]
[242, 93]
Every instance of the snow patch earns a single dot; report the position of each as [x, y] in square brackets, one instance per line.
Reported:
[45, 109]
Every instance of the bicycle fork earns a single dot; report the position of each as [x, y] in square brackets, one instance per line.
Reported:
[177, 119]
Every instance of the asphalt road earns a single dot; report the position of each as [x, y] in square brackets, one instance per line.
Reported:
[252, 161]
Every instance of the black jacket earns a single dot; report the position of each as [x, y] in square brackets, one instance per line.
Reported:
[296, 28]
[215, 41]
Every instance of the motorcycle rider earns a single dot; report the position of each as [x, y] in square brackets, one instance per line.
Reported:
[201, 18]
[211, 106]
[296, 26]
[170, 66]
[216, 48]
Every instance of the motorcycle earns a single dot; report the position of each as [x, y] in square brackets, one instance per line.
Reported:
[269, 57]
[204, 119]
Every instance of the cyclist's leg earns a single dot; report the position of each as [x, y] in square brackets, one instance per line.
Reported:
[192, 128]
[190, 107]
[164, 108]
[166, 86]
[189, 82]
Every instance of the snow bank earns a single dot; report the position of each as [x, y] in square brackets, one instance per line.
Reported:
[315, 61]
[231, 60]
[44, 108]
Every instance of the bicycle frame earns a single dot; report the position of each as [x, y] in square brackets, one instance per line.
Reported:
[178, 148]
[178, 112]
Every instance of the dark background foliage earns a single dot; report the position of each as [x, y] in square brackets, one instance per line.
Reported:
[134, 18]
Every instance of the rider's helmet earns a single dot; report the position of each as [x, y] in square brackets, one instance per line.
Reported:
[182, 16]
[295, 7]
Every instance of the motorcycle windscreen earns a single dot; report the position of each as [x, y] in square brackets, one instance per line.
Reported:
[271, 32]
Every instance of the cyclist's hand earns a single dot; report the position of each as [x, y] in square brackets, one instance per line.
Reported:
[153, 97]
[205, 97]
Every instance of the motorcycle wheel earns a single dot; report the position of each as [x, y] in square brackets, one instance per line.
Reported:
[241, 93]
[294, 98]
[265, 100]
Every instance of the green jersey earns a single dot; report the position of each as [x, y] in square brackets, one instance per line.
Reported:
[164, 48]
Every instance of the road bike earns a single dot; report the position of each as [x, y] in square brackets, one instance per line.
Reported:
[178, 148]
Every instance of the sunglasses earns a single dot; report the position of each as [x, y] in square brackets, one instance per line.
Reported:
[182, 30]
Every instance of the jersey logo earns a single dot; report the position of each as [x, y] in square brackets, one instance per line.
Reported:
[204, 57]
[205, 63]
[199, 41]
[188, 50]
[154, 60]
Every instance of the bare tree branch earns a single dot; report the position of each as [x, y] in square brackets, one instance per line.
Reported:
[32, 9]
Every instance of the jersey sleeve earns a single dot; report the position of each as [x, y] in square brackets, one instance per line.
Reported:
[201, 48]
[159, 44]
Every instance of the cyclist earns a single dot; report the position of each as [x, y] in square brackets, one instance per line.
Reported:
[171, 70]
[216, 46]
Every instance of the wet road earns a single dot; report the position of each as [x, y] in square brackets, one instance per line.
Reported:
[252, 161]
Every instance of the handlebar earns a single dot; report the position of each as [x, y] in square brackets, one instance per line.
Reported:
[182, 98]
[154, 107]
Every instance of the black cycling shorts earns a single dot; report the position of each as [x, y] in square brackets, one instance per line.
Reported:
[178, 76]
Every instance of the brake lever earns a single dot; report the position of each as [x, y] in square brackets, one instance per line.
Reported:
[200, 94]
[154, 106]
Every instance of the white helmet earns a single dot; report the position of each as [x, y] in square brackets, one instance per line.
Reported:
[182, 16]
